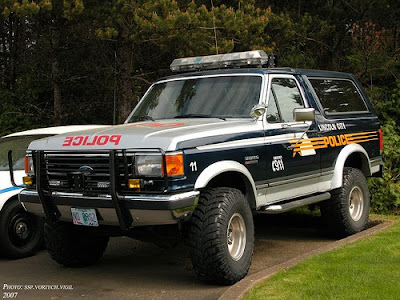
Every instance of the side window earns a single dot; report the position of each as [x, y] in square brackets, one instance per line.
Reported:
[338, 96]
[287, 96]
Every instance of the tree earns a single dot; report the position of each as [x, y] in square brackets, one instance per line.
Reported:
[147, 35]
[56, 14]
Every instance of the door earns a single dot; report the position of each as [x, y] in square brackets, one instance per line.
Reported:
[293, 169]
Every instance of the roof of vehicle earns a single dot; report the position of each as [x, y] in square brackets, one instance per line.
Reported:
[53, 130]
[307, 72]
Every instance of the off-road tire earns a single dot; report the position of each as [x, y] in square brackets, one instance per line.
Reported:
[337, 213]
[71, 246]
[20, 232]
[208, 236]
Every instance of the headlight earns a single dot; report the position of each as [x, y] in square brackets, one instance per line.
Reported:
[152, 165]
[29, 169]
[149, 165]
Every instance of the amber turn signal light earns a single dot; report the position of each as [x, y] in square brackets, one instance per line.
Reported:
[174, 164]
[134, 184]
[27, 180]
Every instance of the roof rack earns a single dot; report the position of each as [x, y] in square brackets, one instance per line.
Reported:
[255, 58]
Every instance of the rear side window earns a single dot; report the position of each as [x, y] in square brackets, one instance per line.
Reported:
[338, 96]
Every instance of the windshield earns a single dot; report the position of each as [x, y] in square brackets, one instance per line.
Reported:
[18, 145]
[220, 97]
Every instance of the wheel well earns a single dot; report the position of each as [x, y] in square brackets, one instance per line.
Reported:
[237, 181]
[12, 198]
[358, 160]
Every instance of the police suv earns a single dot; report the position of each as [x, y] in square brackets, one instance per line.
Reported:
[228, 137]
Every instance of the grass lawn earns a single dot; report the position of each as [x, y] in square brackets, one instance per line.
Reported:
[367, 269]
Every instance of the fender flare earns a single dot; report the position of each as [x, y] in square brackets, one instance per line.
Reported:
[221, 167]
[8, 194]
[337, 179]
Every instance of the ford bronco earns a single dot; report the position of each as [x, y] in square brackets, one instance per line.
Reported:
[204, 150]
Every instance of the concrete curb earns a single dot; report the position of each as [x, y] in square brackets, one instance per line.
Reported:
[238, 290]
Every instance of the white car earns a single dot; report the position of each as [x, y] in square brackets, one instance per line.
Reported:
[21, 232]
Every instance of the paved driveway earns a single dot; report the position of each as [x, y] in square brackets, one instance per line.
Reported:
[137, 270]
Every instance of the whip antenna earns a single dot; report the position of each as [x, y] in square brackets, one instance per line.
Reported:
[215, 30]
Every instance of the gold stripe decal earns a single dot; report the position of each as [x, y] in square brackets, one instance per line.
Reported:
[332, 141]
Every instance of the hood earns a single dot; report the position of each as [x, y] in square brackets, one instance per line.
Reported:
[164, 134]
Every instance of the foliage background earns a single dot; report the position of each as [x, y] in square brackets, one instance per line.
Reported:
[66, 61]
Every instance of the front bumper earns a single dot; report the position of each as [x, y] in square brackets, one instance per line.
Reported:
[141, 209]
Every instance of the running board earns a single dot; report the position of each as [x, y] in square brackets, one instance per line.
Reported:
[278, 208]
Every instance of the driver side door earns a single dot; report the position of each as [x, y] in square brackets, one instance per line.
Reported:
[291, 171]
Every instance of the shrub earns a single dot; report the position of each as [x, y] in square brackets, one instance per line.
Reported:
[386, 191]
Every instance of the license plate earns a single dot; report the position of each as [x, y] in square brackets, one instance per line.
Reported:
[84, 216]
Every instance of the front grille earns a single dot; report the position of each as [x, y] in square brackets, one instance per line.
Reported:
[63, 174]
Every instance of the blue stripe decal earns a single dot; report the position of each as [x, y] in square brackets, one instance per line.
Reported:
[13, 188]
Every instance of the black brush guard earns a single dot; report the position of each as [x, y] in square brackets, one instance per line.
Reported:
[50, 209]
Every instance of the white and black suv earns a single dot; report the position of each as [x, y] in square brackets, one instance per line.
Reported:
[204, 150]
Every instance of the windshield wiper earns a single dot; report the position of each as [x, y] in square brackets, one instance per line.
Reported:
[198, 116]
[140, 118]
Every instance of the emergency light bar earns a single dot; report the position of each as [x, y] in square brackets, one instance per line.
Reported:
[256, 58]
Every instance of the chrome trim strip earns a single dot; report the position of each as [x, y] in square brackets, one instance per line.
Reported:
[376, 161]
[325, 173]
[299, 177]
[174, 197]
[262, 186]
[234, 144]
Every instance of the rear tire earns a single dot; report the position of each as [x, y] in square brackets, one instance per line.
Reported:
[221, 235]
[71, 246]
[347, 211]
[20, 231]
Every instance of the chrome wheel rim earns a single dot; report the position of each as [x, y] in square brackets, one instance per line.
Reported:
[356, 203]
[21, 230]
[236, 236]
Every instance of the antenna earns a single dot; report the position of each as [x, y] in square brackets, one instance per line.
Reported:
[115, 88]
[215, 30]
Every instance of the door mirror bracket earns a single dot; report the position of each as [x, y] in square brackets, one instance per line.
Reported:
[258, 110]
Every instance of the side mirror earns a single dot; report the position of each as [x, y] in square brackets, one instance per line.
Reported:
[258, 110]
[304, 114]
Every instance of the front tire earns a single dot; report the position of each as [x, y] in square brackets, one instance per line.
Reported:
[222, 236]
[71, 246]
[20, 231]
[347, 211]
